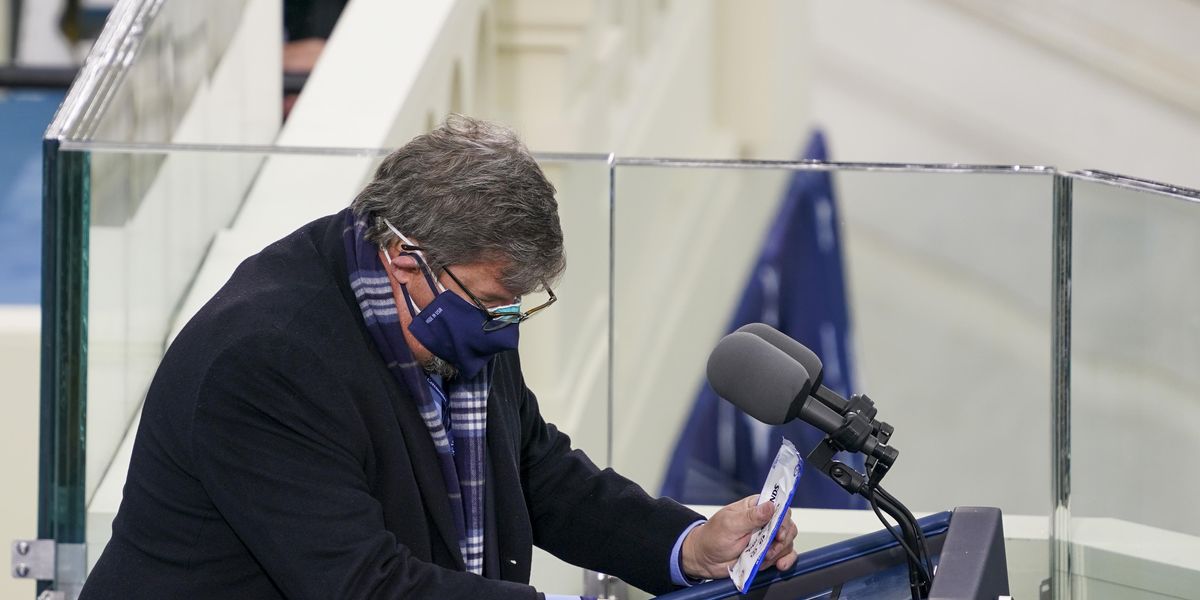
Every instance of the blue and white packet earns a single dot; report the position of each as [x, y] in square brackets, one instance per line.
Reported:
[778, 489]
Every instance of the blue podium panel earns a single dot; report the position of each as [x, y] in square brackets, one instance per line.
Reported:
[966, 546]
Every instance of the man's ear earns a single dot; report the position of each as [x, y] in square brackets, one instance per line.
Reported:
[403, 267]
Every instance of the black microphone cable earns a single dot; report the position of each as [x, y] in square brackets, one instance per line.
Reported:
[917, 572]
[910, 560]
[922, 543]
[909, 531]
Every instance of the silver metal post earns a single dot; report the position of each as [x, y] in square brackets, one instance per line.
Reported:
[1060, 422]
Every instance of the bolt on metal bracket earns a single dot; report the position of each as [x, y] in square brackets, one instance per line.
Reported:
[34, 559]
[45, 560]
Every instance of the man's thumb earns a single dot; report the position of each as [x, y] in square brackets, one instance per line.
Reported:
[759, 515]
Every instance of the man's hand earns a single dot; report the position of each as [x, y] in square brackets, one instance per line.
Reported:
[711, 548]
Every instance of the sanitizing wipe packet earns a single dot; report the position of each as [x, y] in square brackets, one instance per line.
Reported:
[778, 489]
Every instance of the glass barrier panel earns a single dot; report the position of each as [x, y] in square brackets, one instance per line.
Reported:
[929, 291]
[163, 234]
[564, 350]
[1135, 393]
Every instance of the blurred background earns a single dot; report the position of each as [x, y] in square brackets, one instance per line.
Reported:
[196, 133]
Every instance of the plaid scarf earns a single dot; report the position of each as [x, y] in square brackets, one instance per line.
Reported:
[460, 454]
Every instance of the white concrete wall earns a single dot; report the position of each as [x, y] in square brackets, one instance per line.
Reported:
[1109, 86]
[20, 357]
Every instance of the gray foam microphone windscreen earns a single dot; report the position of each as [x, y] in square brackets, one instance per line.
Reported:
[756, 377]
[799, 352]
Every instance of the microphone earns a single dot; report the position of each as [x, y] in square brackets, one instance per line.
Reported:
[807, 359]
[812, 363]
[766, 383]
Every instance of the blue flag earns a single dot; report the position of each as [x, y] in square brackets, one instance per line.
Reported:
[798, 287]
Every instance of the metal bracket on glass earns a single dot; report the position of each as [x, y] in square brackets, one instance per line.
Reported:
[604, 587]
[33, 559]
[46, 560]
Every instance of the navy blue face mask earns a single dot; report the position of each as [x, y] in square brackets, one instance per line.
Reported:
[452, 328]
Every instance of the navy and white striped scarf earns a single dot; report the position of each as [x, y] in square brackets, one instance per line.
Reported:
[462, 454]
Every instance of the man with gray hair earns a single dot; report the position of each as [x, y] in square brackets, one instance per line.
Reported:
[347, 417]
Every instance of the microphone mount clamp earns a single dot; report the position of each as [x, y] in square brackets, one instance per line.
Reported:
[858, 435]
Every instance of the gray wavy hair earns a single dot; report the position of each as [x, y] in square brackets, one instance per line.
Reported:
[469, 191]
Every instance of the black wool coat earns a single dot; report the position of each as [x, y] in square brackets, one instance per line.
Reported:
[278, 458]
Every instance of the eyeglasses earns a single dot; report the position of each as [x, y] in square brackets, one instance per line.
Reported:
[500, 316]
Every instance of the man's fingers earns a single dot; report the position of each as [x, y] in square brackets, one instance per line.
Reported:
[782, 546]
[786, 562]
[778, 548]
[787, 530]
[781, 554]
[773, 554]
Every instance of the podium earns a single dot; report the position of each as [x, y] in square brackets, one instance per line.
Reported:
[966, 546]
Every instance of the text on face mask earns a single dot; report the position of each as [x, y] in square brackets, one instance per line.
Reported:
[435, 314]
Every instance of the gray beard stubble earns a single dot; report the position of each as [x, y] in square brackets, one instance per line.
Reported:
[437, 366]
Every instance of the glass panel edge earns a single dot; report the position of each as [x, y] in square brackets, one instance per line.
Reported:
[62, 443]
[105, 65]
[1136, 183]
